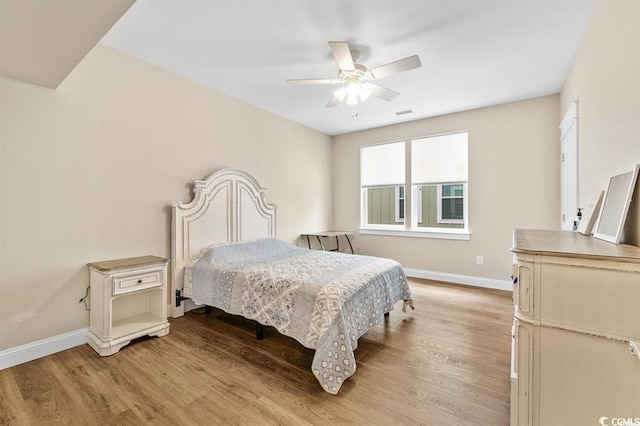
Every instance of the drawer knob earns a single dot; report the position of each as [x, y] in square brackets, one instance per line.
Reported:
[139, 281]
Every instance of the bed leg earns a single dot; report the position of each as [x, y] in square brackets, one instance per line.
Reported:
[386, 315]
[259, 331]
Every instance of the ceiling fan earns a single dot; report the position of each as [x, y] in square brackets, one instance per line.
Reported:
[357, 80]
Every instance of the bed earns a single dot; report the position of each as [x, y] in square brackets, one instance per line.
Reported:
[225, 255]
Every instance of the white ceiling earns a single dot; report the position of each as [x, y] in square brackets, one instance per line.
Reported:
[474, 53]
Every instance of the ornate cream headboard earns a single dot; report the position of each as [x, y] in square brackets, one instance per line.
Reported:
[227, 206]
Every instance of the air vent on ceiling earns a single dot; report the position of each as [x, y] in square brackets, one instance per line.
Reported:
[406, 111]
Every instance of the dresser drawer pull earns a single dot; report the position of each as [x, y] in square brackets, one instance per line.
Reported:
[139, 281]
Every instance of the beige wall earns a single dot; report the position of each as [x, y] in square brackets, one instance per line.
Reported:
[514, 175]
[88, 171]
[605, 79]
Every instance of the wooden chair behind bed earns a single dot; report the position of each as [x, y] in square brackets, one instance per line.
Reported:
[228, 206]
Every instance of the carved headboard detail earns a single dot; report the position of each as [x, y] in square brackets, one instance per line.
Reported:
[228, 206]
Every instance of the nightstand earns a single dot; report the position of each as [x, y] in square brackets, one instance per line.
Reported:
[128, 300]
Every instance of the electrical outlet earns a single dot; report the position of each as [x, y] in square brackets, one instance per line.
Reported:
[479, 260]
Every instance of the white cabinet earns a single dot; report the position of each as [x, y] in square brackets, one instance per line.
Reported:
[128, 300]
[577, 306]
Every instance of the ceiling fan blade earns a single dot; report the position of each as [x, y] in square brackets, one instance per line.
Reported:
[381, 92]
[314, 81]
[341, 52]
[335, 101]
[396, 67]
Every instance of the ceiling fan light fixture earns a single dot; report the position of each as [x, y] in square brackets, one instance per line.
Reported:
[353, 90]
[352, 93]
[341, 94]
[364, 92]
[353, 87]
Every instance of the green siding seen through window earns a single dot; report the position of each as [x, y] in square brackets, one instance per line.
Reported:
[381, 205]
[429, 201]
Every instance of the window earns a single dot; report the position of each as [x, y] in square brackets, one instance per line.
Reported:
[451, 203]
[382, 171]
[438, 182]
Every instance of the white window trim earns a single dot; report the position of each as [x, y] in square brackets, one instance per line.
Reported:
[417, 203]
[397, 203]
[443, 233]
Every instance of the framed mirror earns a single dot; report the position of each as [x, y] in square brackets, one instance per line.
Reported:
[615, 206]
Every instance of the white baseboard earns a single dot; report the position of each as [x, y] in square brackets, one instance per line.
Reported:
[460, 279]
[44, 347]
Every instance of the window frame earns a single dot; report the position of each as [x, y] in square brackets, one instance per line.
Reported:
[413, 200]
[417, 199]
[364, 193]
[400, 201]
[449, 197]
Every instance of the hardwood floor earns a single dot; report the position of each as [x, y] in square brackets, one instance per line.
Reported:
[446, 363]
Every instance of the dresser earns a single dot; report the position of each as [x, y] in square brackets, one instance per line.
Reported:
[577, 307]
[128, 300]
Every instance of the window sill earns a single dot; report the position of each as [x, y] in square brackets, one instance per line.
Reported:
[443, 235]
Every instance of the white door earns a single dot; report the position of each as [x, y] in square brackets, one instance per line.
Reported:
[569, 172]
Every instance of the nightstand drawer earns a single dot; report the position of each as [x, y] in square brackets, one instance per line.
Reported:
[135, 282]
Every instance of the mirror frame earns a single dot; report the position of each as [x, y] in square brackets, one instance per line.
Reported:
[617, 198]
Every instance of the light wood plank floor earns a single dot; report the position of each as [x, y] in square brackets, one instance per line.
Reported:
[446, 363]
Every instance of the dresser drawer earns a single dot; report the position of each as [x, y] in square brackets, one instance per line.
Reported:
[597, 298]
[128, 283]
